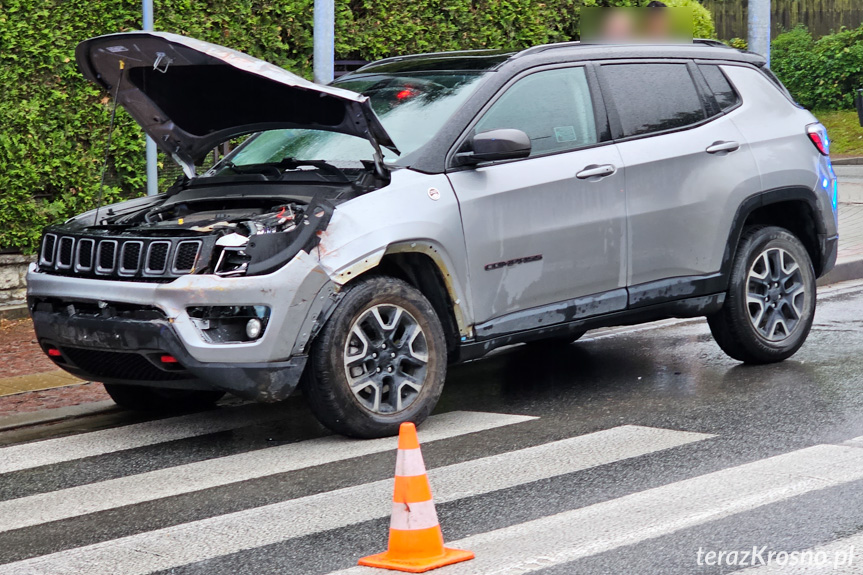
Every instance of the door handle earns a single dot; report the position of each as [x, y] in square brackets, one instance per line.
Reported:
[717, 147]
[594, 170]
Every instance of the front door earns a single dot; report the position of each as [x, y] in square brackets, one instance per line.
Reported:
[550, 227]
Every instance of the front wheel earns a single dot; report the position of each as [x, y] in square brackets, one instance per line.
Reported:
[770, 303]
[380, 360]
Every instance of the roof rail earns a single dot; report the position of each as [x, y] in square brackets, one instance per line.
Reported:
[544, 47]
[709, 42]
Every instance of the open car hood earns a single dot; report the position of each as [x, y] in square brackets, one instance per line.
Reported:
[190, 96]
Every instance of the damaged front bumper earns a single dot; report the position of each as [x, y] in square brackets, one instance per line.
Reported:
[101, 349]
[153, 340]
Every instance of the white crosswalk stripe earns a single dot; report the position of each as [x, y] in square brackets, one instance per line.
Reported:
[221, 535]
[572, 535]
[531, 546]
[50, 451]
[90, 498]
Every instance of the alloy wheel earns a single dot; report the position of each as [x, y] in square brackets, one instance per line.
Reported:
[386, 358]
[775, 294]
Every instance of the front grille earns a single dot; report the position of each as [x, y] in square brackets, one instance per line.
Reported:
[64, 253]
[187, 255]
[149, 259]
[157, 257]
[130, 257]
[84, 262]
[101, 308]
[119, 365]
[49, 243]
[107, 256]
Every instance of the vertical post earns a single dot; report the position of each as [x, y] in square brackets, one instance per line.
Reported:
[324, 41]
[759, 28]
[152, 168]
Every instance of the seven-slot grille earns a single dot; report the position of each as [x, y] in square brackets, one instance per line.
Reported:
[120, 258]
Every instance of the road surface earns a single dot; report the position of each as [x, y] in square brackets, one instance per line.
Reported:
[635, 450]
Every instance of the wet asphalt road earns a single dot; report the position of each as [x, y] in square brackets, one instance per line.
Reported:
[670, 376]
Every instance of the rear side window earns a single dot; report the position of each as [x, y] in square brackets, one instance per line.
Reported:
[653, 97]
[725, 95]
[553, 108]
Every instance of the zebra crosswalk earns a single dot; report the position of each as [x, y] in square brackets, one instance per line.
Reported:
[139, 524]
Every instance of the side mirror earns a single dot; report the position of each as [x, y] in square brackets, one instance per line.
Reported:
[858, 101]
[494, 145]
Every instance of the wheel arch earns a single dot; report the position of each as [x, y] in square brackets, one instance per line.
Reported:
[795, 209]
[422, 264]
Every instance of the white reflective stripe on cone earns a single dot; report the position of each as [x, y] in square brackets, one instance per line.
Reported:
[409, 463]
[409, 516]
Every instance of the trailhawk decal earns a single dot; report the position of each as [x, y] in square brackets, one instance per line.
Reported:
[510, 263]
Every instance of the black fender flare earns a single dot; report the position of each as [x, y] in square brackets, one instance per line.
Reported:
[756, 201]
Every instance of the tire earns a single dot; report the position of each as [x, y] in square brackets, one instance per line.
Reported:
[770, 303]
[365, 341]
[143, 398]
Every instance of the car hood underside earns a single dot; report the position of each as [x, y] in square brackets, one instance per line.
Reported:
[190, 96]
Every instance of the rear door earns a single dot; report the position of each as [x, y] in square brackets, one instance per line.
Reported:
[688, 167]
[543, 229]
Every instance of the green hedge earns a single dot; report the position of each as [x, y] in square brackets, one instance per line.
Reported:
[821, 74]
[54, 124]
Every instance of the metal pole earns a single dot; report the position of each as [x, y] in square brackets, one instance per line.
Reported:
[152, 168]
[759, 28]
[324, 41]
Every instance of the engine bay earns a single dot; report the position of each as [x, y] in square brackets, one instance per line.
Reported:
[240, 231]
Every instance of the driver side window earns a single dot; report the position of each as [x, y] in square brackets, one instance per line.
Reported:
[552, 107]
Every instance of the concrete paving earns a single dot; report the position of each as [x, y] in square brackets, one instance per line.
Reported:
[37, 382]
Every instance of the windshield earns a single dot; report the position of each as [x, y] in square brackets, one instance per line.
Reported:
[412, 108]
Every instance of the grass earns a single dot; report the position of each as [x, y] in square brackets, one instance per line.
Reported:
[846, 135]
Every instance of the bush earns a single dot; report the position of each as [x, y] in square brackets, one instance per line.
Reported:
[55, 124]
[738, 43]
[821, 74]
[702, 20]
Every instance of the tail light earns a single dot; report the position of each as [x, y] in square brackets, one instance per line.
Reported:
[818, 136]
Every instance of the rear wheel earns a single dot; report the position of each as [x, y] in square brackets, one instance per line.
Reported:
[770, 304]
[380, 360]
[143, 398]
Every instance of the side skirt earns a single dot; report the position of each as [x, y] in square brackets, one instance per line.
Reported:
[682, 308]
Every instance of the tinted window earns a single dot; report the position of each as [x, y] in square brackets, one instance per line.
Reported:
[553, 108]
[726, 97]
[653, 97]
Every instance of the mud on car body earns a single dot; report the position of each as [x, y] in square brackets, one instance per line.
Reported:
[425, 210]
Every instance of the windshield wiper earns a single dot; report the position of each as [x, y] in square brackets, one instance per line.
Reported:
[263, 169]
[275, 170]
[322, 165]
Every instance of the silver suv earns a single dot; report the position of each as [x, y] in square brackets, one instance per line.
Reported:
[426, 209]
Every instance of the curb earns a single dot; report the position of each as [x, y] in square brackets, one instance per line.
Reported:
[14, 311]
[56, 414]
[842, 272]
[847, 161]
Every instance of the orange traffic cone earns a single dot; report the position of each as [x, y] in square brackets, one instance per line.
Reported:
[416, 541]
